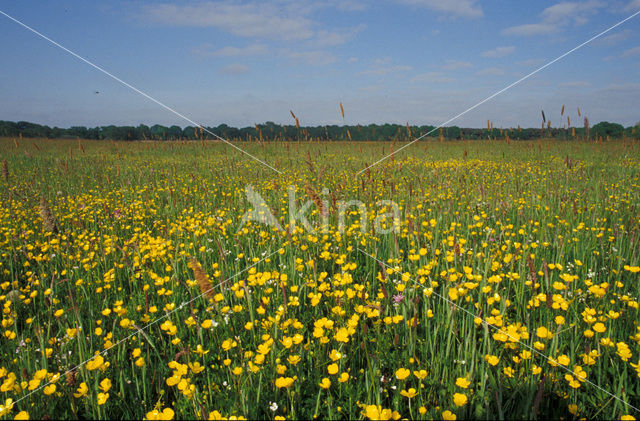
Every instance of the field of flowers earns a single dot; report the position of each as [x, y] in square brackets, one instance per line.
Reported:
[132, 287]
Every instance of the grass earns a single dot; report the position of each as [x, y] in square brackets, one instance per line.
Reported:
[537, 239]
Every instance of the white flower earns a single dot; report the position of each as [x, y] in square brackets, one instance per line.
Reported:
[273, 406]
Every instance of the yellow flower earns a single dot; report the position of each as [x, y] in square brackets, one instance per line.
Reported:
[166, 414]
[460, 399]
[215, 415]
[342, 335]
[335, 355]
[402, 373]
[22, 415]
[196, 367]
[374, 412]
[200, 351]
[173, 380]
[81, 391]
[102, 398]
[343, 377]
[420, 374]
[492, 359]
[572, 382]
[543, 332]
[227, 344]
[284, 382]
[140, 362]
[287, 342]
[325, 383]
[599, 327]
[409, 393]
[95, 363]
[448, 415]
[538, 345]
[564, 360]
[462, 382]
[105, 385]
[293, 359]
[332, 368]
[48, 390]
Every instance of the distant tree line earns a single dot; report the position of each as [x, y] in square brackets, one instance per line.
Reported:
[270, 131]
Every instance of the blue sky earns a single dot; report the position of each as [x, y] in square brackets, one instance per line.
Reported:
[246, 62]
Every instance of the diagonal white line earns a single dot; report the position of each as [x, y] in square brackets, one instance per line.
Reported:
[180, 307]
[166, 107]
[502, 90]
[511, 337]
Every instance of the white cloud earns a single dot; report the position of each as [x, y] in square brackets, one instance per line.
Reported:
[491, 71]
[314, 57]
[559, 16]
[574, 84]
[382, 71]
[531, 29]
[633, 5]
[631, 52]
[345, 6]
[432, 77]
[234, 69]
[531, 62]
[325, 38]
[456, 64]
[383, 66]
[614, 38]
[499, 52]
[283, 21]
[249, 50]
[464, 8]
[623, 86]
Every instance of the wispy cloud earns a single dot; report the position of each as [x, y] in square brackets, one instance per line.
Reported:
[456, 64]
[234, 69]
[557, 17]
[633, 5]
[314, 57]
[574, 84]
[344, 6]
[249, 50]
[491, 71]
[383, 67]
[614, 38]
[464, 8]
[631, 52]
[433, 77]
[499, 52]
[324, 38]
[255, 20]
[531, 62]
